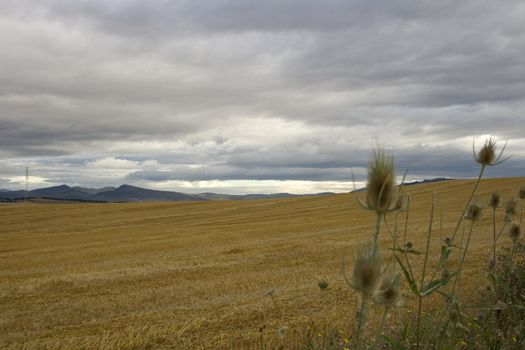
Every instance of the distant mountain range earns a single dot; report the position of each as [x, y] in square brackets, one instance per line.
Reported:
[127, 193]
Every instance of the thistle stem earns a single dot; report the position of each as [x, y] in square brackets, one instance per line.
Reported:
[514, 246]
[481, 171]
[378, 230]
[494, 232]
[460, 268]
[361, 319]
[385, 312]
[423, 273]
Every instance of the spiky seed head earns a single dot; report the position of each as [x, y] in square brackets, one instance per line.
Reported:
[495, 200]
[445, 274]
[380, 185]
[322, 284]
[400, 203]
[521, 192]
[474, 211]
[409, 245]
[367, 269]
[448, 241]
[487, 154]
[389, 292]
[515, 231]
[511, 207]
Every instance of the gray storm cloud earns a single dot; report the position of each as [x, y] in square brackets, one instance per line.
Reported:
[250, 90]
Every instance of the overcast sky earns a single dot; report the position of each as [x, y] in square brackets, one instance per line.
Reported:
[255, 96]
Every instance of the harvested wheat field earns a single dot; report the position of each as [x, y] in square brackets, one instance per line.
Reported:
[201, 275]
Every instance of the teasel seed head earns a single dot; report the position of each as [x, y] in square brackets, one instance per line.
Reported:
[322, 284]
[409, 245]
[367, 269]
[521, 192]
[389, 292]
[474, 211]
[401, 203]
[380, 185]
[511, 207]
[487, 154]
[495, 200]
[515, 231]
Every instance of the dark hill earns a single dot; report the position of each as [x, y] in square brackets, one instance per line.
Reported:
[127, 193]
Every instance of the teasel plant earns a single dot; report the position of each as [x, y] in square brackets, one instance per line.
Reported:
[510, 209]
[366, 275]
[514, 234]
[487, 156]
[382, 198]
[428, 283]
[494, 203]
[521, 195]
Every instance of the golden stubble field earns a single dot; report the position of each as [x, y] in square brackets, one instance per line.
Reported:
[200, 275]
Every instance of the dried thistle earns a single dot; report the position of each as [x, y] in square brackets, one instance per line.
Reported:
[367, 269]
[474, 211]
[400, 203]
[389, 292]
[521, 192]
[511, 207]
[515, 231]
[486, 156]
[380, 185]
[322, 284]
[495, 200]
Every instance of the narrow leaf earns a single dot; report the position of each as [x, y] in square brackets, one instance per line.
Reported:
[408, 276]
[435, 285]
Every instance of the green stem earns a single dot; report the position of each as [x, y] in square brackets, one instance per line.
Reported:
[423, 273]
[406, 221]
[361, 319]
[514, 246]
[501, 230]
[494, 233]
[385, 312]
[378, 230]
[460, 268]
[452, 294]
[418, 329]
[468, 202]
[394, 236]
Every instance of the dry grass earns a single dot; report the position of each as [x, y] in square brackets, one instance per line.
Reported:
[194, 275]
